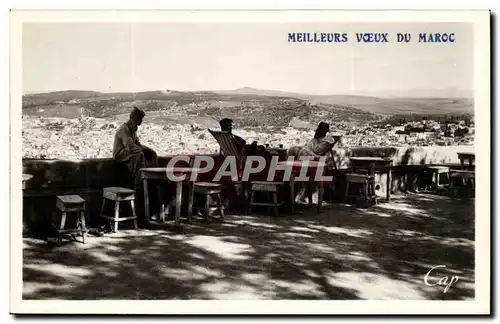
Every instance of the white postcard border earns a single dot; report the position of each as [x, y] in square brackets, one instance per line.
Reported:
[481, 304]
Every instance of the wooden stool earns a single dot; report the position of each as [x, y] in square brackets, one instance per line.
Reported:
[270, 187]
[436, 172]
[208, 189]
[118, 194]
[26, 177]
[71, 204]
[368, 187]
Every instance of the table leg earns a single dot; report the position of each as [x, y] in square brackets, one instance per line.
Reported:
[346, 197]
[63, 222]
[117, 215]
[164, 209]
[389, 184]
[84, 226]
[162, 213]
[190, 203]
[292, 192]
[160, 202]
[320, 196]
[132, 206]
[178, 202]
[310, 192]
[462, 163]
[146, 200]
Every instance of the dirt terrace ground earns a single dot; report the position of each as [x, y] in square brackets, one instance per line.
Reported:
[343, 253]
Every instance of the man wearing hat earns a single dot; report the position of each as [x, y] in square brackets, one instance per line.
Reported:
[128, 150]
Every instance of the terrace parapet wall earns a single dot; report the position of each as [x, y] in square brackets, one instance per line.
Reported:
[88, 177]
[401, 156]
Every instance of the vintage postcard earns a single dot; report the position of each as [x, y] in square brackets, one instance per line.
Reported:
[250, 162]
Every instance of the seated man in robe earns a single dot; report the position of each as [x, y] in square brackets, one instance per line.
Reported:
[128, 150]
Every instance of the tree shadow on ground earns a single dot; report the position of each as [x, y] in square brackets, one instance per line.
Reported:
[382, 252]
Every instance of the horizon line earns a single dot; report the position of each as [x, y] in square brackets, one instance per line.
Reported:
[361, 94]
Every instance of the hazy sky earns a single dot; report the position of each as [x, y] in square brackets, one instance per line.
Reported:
[137, 57]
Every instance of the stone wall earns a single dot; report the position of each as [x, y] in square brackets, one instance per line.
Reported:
[88, 177]
[420, 155]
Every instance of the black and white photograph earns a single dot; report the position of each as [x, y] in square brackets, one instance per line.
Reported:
[246, 156]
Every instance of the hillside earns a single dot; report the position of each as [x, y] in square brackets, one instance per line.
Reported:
[58, 125]
[246, 109]
[392, 106]
[249, 106]
[418, 101]
[449, 92]
[61, 95]
[259, 92]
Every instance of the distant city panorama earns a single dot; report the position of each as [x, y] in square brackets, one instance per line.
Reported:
[81, 124]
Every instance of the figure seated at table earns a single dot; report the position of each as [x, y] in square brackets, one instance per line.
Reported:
[320, 145]
[226, 125]
[129, 151]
